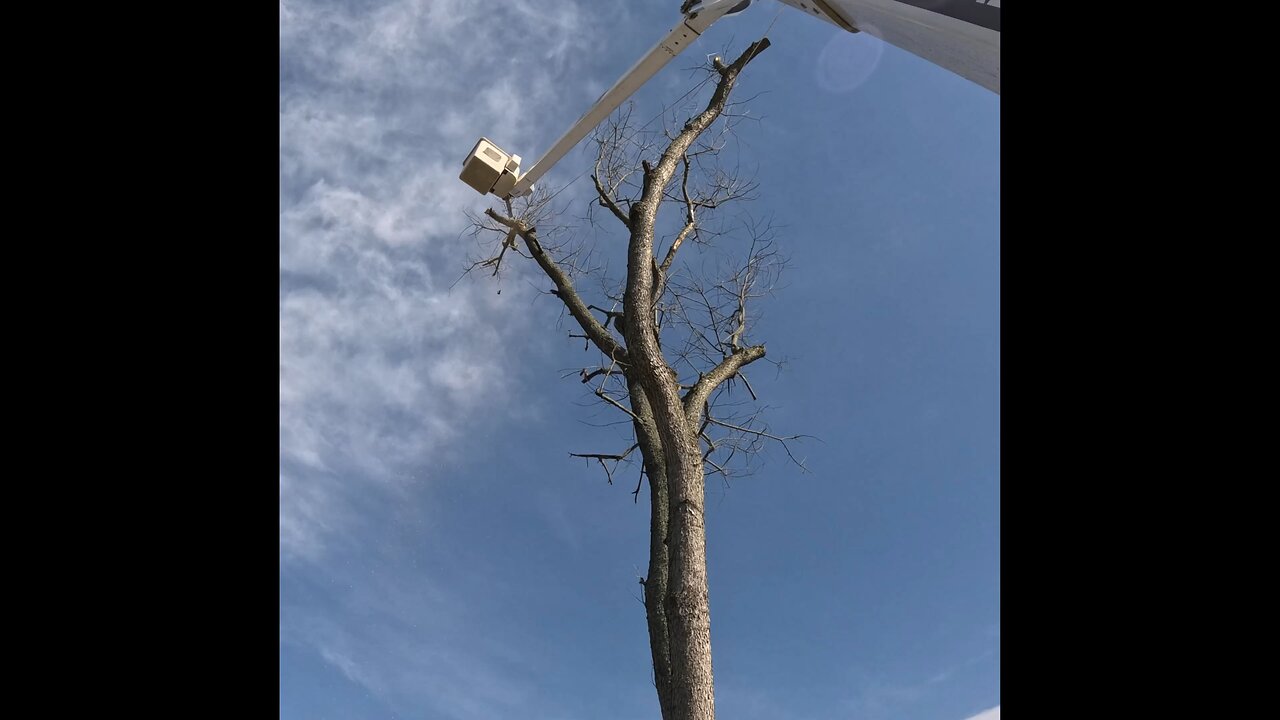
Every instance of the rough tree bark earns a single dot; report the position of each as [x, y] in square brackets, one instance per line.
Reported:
[686, 603]
[670, 420]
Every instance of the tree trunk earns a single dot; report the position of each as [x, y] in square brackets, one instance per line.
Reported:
[686, 609]
[655, 584]
[688, 603]
[677, 601]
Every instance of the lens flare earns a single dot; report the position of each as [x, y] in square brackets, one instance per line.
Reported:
[847, 61]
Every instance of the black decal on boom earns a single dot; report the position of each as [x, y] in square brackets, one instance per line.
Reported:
[978, 13]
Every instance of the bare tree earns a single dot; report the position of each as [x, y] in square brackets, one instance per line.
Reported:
[678, 400]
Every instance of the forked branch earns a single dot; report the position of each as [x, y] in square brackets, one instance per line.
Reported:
[564, 287]
[604, 459]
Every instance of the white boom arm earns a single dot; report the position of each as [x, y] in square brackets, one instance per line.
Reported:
[960, 35]
[685, 32]
[489, 169]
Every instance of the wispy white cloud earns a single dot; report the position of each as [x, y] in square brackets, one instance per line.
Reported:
[410, 645]
[379, 358]
[950, 672]
[992, 714]
[878, 697]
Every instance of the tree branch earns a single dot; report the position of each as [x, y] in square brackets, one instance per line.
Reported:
[660, 279]
[659, 177]
[606, 200]
[618, 319]
[586, 376]
[740, 313]
[763, 434]
[564, 288]
[605, 396]
[641, 264]
[690, 221]
[601, 458]
[694, 399]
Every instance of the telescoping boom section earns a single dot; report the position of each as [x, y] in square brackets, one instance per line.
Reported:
[490, 169]
[962, 36]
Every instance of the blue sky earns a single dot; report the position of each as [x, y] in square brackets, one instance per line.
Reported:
[441, 556]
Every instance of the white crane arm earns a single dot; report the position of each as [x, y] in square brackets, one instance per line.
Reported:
[490, 169]
[680, 37]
